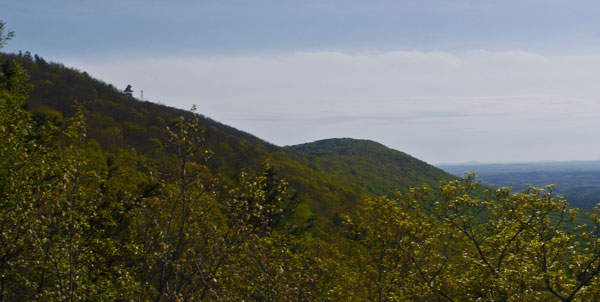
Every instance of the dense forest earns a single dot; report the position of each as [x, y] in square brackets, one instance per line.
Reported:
[106, 198]
[325, 184]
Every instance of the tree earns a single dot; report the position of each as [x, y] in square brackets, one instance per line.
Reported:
[398, 241]
[5, 35]
[55, 239]
[465, 243]
[267, 263]
[128, 91]
[190, 232]
[17, 174]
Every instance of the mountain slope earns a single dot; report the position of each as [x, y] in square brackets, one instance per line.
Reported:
[370, 165]
[331, 176]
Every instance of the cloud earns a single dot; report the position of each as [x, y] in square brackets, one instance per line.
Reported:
[439, 106]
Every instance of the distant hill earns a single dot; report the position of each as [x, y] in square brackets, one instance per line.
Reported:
[370, 165]
[577, 181]
[330, 176]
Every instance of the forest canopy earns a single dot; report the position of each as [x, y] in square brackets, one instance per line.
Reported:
[83, 222]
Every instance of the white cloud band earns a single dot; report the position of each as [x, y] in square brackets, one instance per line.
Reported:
[438, 106]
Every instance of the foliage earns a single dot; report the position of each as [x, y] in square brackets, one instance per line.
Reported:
[5, 35]
[328, 182]
[55, 234]
[454, 246]
[86, 220]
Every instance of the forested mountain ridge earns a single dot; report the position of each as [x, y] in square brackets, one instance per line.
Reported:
[371, 165]
[85, 217]
[329, 181]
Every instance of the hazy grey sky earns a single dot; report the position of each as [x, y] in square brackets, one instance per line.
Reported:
[445, 81]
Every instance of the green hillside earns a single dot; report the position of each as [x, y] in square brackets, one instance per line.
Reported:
[118, 200]
[370, 165]
[331, 176]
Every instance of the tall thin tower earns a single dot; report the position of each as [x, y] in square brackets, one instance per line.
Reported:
[142, 95]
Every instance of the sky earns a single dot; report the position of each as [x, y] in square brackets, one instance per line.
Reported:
[444, 81]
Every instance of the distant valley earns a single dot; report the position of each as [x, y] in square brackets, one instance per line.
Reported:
[577, 181]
